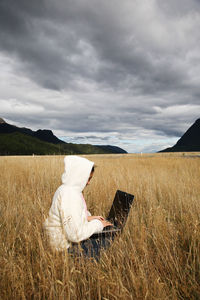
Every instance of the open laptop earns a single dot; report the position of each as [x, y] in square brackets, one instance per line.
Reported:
[118, 213]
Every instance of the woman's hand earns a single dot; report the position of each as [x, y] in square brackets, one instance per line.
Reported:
[100, 218]
[106, 223]
[90, 218]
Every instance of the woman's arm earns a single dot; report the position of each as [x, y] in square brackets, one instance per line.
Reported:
[100, 218]
[74, 219]
[90, 218]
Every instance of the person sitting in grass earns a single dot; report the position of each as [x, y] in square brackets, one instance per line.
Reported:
[69, 221]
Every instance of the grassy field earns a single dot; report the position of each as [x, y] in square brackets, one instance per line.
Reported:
[157, 256]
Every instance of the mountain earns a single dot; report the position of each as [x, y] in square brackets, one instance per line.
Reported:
[112, 149]
[189, 142]
[24, 141]
[2, 121]
[43, 135]
[17, 143]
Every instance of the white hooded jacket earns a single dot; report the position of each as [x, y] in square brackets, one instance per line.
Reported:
[67, 220]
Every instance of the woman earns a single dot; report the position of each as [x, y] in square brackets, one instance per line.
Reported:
[69, 220]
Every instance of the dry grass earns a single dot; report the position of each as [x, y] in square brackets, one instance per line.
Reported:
[157, 257]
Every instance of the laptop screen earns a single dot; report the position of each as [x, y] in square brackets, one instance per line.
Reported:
[120, 208]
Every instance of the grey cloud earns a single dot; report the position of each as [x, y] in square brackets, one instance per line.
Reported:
[47, 49]
[174, 9]
[88, 138]
[114, 66]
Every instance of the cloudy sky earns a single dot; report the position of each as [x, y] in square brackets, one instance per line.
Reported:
[125, 73]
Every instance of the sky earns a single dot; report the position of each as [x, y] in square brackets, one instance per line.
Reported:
[123, 73]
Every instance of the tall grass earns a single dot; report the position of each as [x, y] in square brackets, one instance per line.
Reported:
[157, 256]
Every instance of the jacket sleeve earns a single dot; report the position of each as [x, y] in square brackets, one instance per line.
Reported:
[74, 220]
[88, 213]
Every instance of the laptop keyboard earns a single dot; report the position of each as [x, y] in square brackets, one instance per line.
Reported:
[108, 228]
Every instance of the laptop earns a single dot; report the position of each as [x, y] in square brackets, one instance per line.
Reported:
[118, 214]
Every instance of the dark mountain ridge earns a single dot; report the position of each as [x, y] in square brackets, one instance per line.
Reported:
[43, 135]
[24, 141]
[113, 149]
[189, 142]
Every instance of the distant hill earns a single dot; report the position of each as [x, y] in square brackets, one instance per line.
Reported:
[189, 142]
[112, 149]
[2, 121]
[17, 143]
[43, 135]
[24, 141]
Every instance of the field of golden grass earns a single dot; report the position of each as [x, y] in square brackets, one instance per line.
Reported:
[157, 256]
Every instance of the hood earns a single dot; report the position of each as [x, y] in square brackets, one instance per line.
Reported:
[77, 171]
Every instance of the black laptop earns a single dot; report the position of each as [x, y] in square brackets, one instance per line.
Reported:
[118, 213]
